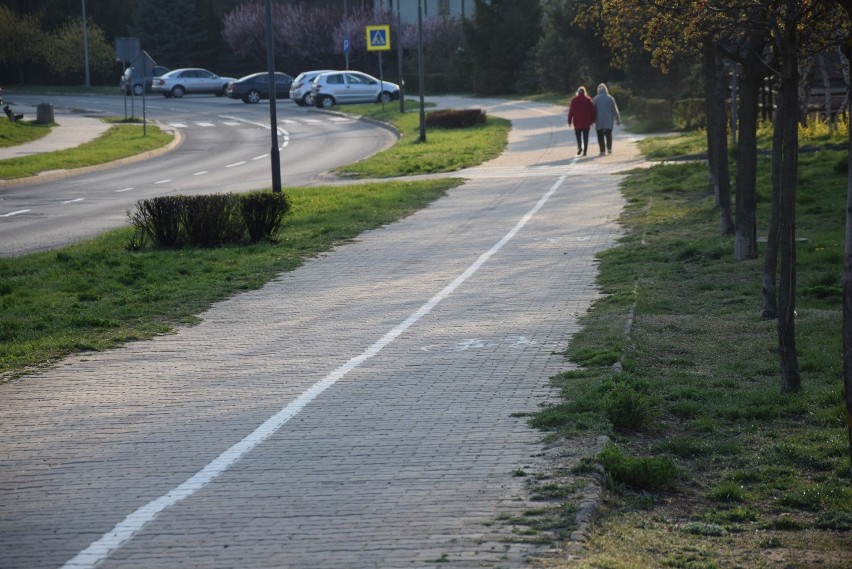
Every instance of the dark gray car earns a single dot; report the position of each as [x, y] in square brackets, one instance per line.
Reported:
[132, 81]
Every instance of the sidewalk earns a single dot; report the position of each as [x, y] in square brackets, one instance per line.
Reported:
[366, 410]
[71, 131]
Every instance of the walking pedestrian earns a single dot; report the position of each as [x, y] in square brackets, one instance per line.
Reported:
[581, 115]
[606, 112]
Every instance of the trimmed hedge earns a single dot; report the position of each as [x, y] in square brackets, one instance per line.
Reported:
[455, 118]
[208, 220]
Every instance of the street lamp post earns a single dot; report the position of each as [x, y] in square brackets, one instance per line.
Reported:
[86, 81]
[275, 157]
[420, 69]
[399, 55]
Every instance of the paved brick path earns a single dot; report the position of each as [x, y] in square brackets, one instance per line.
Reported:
[405, 459]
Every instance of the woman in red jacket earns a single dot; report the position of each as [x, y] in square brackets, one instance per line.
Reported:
[581, 115]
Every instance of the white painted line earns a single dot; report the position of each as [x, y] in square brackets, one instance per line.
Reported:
[235, 164]
[164, 181]
[261, 157]
[178, 124]
[20, 211]
[232, 123]
[204, 123]
[200, 173]
[311, 121]
[123, 190]
[288, 121]
[339, 119]
[74, 201]
[126, 529]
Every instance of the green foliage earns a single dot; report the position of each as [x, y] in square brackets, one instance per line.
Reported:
[689, 114]
[568, 56]
[500, 37]
[641, 473]
[63, 50]
[168, 30]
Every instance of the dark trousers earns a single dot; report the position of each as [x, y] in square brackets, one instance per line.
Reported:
[605, 139]
[582, 135]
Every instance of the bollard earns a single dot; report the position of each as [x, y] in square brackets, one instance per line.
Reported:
[44, 113]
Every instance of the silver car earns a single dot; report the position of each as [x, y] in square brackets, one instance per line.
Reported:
[180, 82]
[339, 87]
[300, 90]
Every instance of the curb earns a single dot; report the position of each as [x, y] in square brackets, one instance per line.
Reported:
[58, 174]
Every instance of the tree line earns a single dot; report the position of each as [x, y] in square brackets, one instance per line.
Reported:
[503, 47]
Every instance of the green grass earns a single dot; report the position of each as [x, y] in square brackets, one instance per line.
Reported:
[97, 295]
[699, 388]
[445, 150]
[20, 132]
[120, 141]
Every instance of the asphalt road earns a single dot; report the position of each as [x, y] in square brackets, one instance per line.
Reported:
[226, 147]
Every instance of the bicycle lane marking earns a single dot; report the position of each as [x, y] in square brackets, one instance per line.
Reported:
[125, 530]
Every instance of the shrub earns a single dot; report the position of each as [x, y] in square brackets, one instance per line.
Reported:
[264, 213]
[207, 220]
[159, 219]
[455, 118]
[210, 221]
[689, 114]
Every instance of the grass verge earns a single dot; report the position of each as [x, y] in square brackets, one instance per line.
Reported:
[445, 150]
[97, 295]
[20, 132]
[120, 141]
[709, 465]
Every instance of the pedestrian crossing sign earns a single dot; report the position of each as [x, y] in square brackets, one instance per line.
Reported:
[378, 38]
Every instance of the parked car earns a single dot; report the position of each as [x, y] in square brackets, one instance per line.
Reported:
[300, 91]
[252, 88]
[192, 80]
[132, 82]
[339, 87]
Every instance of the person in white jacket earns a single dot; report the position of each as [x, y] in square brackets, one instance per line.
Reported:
[606, 113]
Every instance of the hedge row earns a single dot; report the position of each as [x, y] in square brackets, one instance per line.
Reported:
[208, 220]
[455, 118]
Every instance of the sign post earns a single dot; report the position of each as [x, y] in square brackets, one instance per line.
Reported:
[378, 39]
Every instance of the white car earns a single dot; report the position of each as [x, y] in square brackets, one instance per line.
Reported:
[339, 87]
[192, 80]
[300, 90]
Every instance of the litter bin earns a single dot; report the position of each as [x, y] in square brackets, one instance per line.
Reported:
[44, 113]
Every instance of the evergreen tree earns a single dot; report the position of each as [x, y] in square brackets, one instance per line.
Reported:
[171, 33]
[500, 38]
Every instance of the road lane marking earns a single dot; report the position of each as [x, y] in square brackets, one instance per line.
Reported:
[74, 201]
[164, 181]
[200, 173]
[20, 211]
[123, 190]
[236, 164]
[261, 157]
[126, 529]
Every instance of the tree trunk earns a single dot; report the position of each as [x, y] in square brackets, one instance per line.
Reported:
[788, 111]
[717, 134]
[770, 261]
[745, 232]
[847, 268]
